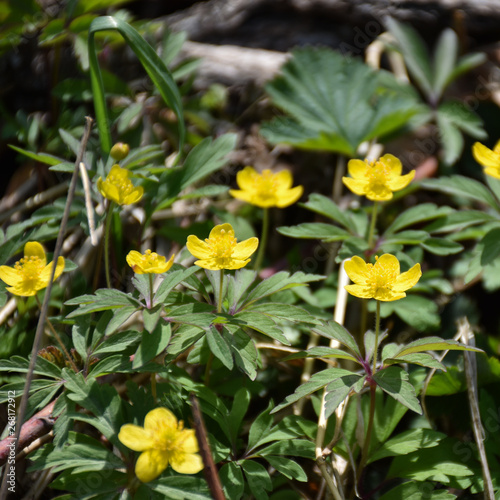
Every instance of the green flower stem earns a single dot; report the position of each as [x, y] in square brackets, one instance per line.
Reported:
[377, 332]
[151, 291]
[107, 227]
[58, 339]
[372, 224]
[263, 240]
[221, 287]
[366, 444]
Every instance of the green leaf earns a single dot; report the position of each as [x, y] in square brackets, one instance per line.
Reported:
[459, 220]
[241, 402]
[408, 237]
[151, 317]
[316, 382]
[451, 138]
[232, 480]
[219, 347]
[335, 103]
[205, 158]
[258, 478]
[245, 353]
[338, 389]
[461, 116]
[441, 246]
[327, 207]
[117, 342]
[490, 246]
[287, 312]
[79, 335]
[336, 331]
[260, 429]
[422, 359]
[407, 442]
[465, 187]
[419, 213]
[103, 300]
[445, 56]
[293, 447]
[237, 285]
[394, 381]
[434, 344]
[290, 469]
[171, 280]
[415, 54]
[323, 352]
[154, 66]
[412, 490]
[118, 318]
[261, 323]
[152, 344]
[315, 230]
[41, 157]
[179, 487]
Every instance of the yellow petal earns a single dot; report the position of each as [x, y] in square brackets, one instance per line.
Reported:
[264, 200]
[397, 183]
[357, 186]
[189, 463]
[165, 267]
[496, 149]
[160, 418]
[110, 192]
[134, 196]
[234, 264]
[150, 465]
[134, 260]
[386, 295]
[246, 179]
[198, 248]
[211, 264]
[361, 291]
[407, 280]
[189, 441]
[47, 270]
[378, 192]
[356, 269]
[24, 289]
[284, 179]
[10, 275]
[136, 438]
[357, 169]
[221, 230]
[288, 197]
[248, 196]
[245, 248]
[388, 264]
[494, 172]
[485, 156]
[393, 163]
[119, 172]
[34, 249]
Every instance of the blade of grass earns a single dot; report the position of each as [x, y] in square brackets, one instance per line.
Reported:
[154, 66]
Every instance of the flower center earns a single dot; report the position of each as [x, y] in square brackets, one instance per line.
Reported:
[378, 173]
[121, 182]
[171, 440]
[266, 184]
[222, 245]
[150, 258]
[29, 267]
[380, 277]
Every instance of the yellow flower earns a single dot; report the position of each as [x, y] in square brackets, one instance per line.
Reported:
[31, 273]
[488, 158]
[119, 188]
[220, 250]
[162, 441]
[377, 180]
[382, 280]
[149, 263]
[267, 189]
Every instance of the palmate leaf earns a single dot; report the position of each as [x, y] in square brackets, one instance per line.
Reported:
[335, 103]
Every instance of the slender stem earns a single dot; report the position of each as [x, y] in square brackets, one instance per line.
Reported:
[151, 291]
[59, 341]
[263, 240]
[366, 444]
[377, 331]
[221, 287]
[372, 224]
[107, 228]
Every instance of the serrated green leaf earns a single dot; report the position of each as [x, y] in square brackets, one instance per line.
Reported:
[461, 116]
[441, 246]
[408, 237]
[232, 480]
[445, 56]
[119, 316]
[490, 246]
[459, 220]
[288, 312]
[117, 342]
[434, 344]
[322, 352]
[151, 317]
[152, 344]
[290, 469]
[257, 477]
[292, 447]
[412, 490]
[451, 139]
[422, 359]
[315, 230]
[394, 381]
[407, 442]
[241, 402]
[336, 331]
[327, 207]
[419, 213]
[260, 428]
[316, 382]
[245, 353]
[338, 389]
[180, 487]
[261, 323]
[219, 347]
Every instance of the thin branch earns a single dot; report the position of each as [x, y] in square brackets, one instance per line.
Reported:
[45, 305]
[88, 203]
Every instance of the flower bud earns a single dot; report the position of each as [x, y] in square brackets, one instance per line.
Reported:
[119, 151]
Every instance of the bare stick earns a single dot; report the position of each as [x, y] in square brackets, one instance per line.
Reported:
[43, 313]
[467, 337]
[88, 203]
[210, 470]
